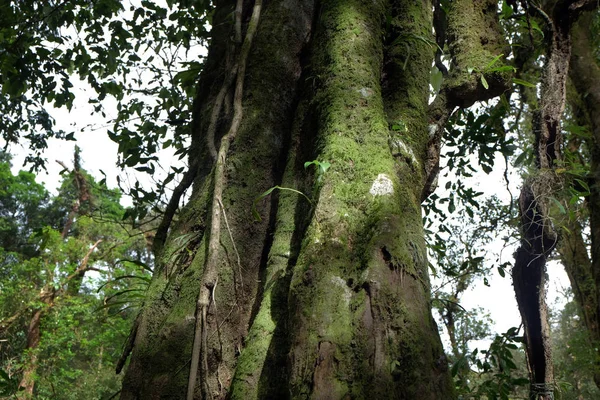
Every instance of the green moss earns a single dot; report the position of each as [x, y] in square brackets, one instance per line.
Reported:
[254, 354]
[475, 39]
[361, 275]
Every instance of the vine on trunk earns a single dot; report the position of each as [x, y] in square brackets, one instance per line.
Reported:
[209, 280]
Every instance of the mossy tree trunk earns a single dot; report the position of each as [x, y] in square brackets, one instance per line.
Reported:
[583, 271]
[327, 296]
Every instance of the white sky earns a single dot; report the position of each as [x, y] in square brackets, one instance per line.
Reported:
[499, 298]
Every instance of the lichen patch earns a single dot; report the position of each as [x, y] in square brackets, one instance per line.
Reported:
[382, 186]
[347, 295]
[366, 92]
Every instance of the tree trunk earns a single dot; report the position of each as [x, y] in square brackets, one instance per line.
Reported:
[34, 336]
[539, 237]
[327, 296]
[583, 272]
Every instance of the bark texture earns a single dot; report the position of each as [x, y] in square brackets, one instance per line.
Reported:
[473, 35]
[327, 296]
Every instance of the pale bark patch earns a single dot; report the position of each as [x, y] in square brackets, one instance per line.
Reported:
[382, 186]
[347, 292]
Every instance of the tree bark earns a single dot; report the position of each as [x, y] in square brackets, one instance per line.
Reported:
[327, 296]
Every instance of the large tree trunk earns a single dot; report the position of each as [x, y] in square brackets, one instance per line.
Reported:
[327, 296]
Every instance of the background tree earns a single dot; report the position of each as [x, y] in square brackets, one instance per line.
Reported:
[574, 357]
[61, 332]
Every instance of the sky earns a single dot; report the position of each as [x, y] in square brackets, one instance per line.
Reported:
[499, 298]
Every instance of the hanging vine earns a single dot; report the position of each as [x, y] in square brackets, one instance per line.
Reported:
[209, 280]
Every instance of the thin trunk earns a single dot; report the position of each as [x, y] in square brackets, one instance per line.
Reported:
[585, 275]
[574, 255]
[451, 328]
[538, 235]
[34, 335]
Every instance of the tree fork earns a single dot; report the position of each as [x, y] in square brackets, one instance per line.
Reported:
[474, 38]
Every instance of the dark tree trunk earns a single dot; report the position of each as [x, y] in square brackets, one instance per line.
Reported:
[539, 237]
[584, 273]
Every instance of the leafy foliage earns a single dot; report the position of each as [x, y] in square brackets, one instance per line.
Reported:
[144, 56]
[574, 356]
[83, 326]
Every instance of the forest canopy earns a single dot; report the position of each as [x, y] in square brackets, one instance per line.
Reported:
[327, 224]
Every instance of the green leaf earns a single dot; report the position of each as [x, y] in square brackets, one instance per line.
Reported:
[484, 82]
[146, 279]
[584, 185]
[521, 158]
[501, 272]
[262, 196]
[138, 263]
[268, 192]
[503, 68]
[125, 291]
[494, 61]
[560, 206]
[507, 10]
[521, 82]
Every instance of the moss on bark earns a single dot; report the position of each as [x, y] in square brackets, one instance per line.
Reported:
[335, 297]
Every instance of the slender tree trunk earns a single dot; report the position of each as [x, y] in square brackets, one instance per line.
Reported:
[34, 335]
[583, 272]
[538, 235]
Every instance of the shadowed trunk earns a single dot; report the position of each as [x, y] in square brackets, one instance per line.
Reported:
[538, 234]
[584, 273]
